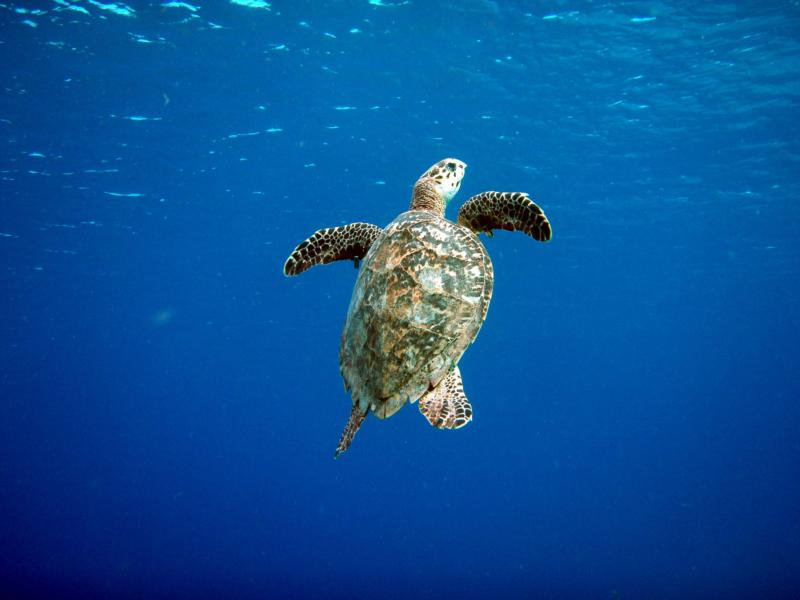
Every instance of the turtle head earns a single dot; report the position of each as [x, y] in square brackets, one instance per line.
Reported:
[446, 176]
[437, 186]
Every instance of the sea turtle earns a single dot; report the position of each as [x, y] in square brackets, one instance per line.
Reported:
[420, 298]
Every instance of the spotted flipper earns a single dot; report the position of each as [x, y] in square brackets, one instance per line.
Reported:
[349, 242]
[512, 211]
[353, 423]
[446, 406]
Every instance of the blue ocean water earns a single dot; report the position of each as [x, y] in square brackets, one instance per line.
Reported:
[171, 402]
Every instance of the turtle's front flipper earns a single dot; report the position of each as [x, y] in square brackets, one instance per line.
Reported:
[512, 211]
[349, 242]
[353, 423]
[446, 406]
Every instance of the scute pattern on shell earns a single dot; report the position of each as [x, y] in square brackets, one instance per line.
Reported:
[419, 302]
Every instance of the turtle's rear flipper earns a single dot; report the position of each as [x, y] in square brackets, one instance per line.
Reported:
[348, 242]
[353, 423]
[512, 211]
[446, 406]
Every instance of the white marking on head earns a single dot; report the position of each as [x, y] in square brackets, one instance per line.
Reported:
[447, 175]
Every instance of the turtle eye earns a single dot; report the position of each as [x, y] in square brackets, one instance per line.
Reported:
[451, 166]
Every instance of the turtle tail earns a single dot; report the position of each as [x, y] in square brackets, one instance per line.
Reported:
[353, 423]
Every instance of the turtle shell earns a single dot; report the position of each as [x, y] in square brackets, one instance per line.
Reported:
[419, 302]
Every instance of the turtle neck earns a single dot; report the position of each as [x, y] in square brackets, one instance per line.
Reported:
[427, 197]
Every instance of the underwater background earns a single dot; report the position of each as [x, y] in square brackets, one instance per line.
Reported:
[171, 402]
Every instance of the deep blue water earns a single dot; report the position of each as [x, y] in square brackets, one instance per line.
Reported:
[171, 402]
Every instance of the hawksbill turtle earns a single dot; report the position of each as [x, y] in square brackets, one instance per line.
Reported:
[420, 298]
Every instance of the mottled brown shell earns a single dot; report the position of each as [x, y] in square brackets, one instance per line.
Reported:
[419, 302]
